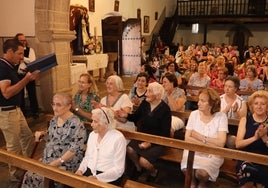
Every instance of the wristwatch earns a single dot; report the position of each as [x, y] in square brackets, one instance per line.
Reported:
[61, 160]
[204, 140]
[76, 109]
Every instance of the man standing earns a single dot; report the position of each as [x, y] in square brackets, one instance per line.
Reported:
[29, 56]
[17, 134]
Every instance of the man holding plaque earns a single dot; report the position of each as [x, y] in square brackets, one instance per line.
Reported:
[18, 136]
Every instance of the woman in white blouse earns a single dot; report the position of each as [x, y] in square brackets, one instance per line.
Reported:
[208, 126]
[106, 149]
[116, 99]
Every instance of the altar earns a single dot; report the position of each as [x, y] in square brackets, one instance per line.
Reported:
[76, 70]
[93, 62]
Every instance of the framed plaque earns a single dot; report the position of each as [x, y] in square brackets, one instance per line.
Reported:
[139, 13]
[91, 5]
[146, 24]
[116, 5]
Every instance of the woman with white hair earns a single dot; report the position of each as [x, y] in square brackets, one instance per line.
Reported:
[153, 116]
[106, 149]
[116, 99]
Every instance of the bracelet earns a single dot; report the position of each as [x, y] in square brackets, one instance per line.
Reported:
[204, 140]
[61, 160]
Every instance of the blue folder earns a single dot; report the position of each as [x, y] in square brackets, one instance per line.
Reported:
[44, 63]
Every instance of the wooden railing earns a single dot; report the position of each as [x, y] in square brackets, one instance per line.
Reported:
[185, 115]
[192, 147]
[50, 172]
[73, 180]
[220, 91]
[216, 8]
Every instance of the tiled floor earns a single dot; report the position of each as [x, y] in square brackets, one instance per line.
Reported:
[170, 175]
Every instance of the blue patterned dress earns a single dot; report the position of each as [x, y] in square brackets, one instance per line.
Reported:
[69, 137]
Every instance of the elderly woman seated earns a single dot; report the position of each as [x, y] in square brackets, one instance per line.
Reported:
[153, 116]
[65, 140]
[106, 149]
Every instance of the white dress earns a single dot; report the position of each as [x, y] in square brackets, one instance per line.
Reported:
[122, 102]
[207, 162]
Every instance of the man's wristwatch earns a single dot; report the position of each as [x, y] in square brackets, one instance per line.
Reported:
[76, 109]
[61, 160]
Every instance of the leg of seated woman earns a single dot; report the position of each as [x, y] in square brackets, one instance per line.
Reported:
[259, 186]
[194, 181]
[248, 185]
[148, 166]
[202, 176]
[134, 157]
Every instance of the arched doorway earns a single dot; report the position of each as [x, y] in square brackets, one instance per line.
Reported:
[239, 39]
[239, 36]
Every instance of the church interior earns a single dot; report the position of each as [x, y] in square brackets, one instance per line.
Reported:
[114, 37]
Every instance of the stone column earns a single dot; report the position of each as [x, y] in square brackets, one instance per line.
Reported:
[53, 36]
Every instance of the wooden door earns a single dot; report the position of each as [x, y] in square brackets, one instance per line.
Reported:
[112, 28]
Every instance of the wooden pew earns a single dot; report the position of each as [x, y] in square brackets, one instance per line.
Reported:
[175, 148]
[220, 91]
[59, 175]
[185, 115]
[73, 180]
[229, 166]
[50, 172]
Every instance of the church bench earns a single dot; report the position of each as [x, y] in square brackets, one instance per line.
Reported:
[134, 184]
[220, 91]
[175, 155]
[175, 148]
[184, 115]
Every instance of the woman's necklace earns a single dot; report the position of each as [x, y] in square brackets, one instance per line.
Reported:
[260, 119]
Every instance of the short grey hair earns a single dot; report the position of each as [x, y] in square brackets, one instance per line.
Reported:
[157, 89]
[67, 98]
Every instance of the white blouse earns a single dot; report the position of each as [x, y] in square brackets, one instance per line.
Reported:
[108, 156]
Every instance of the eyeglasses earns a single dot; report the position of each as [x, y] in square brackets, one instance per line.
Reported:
[58, 105]
[227, 86]
[105, 115]
[82, 83]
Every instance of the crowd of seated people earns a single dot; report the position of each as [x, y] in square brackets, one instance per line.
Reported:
[215, 59]
[150, 102]
[235, 79]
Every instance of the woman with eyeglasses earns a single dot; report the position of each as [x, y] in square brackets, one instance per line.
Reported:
[64, 138]
[106, 149]
[252, 137]
[232, 105]
[85, 98]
